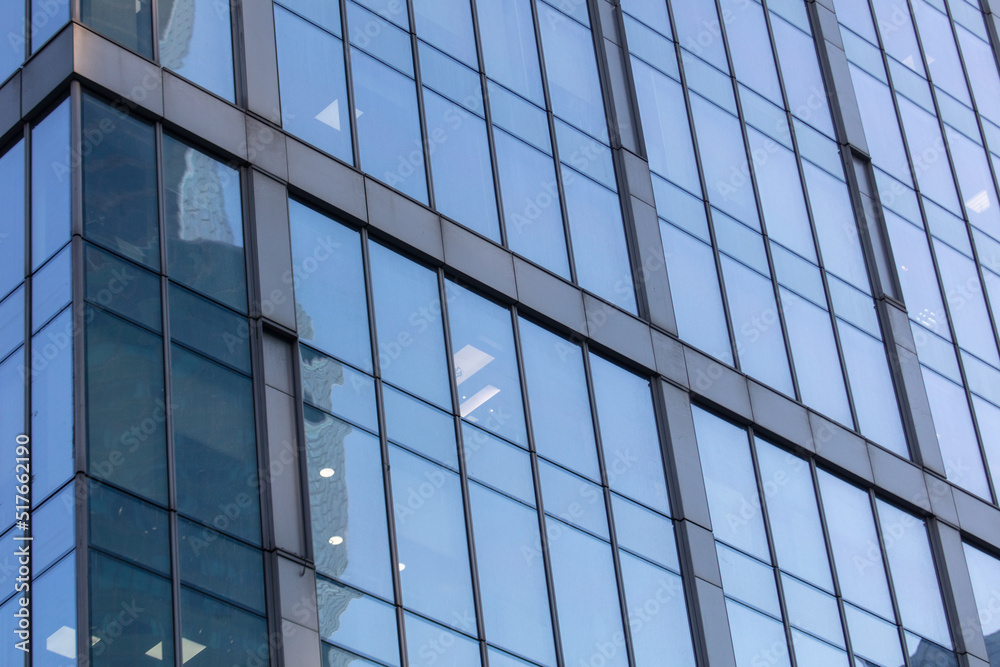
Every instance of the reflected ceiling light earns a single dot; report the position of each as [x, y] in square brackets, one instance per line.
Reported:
[908, 61]
[190, 649]
[156, 653]
[979, 202]
[469, 361]
[402, 566]
[477, 399]
[336, 539]
[326, 472]
[331, 115]
[62, 642]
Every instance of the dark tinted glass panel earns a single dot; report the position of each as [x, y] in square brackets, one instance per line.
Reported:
[129, 527]
[119, 183]
[215, 633]
[122, 287]
[12, 216]
[131, 619]
[126, 423]
[50, 184]
[128, 22]
[208, 328]
[204, 223]
[216, 451]
[220, 565]
[196, 41]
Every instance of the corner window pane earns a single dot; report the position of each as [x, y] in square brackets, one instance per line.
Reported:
[196, 41]
[50, 184]
[121, 287]
[53, 614]
[128, 527]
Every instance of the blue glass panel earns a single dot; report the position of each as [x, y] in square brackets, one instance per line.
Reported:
[52, 405]
[653, 14]
[220, 565]
[647, 533]
[12, 14]
[379, 38]
[338, 389]
[585, 154]
[448, 26]
[748, 580]
[750, 47]
[50, 184]
[956, 435]
[519, 117]
[323, 13]
[132, 28]
[698, 31]
[392, 10]
[53, 615]
[47, 17]
[222, 633]
[208, 328]
[450, 78]
[408, 319]
[12, 217]
[198, 47]
[347, 500]
[11, 426]
[388, 126]
[430, 644]
[560, 406]
[872, 638]
[432, 545]
[11, 322]
[811, 651]
[573, 499]
[53, 528]
[657, 614]
[122, 287]
[424, 429]
[313, 80]
[498, 463]
[357, 621]
[327, 254]
[50, 289]
[812, 610]
[755, 635]
[800, 71]
[509, 50]
[128, 527]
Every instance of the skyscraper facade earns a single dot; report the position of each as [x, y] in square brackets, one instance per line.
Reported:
[468, 333]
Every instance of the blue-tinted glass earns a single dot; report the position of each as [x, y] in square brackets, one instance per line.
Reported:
[574, 87]
[53, 529]
[709, 82]
[984, 571]
[414, 424]
[852, 533]
[489, 389]
[408, 319]
[599, 247]
[12, 217]
[379, 38]
[532, 214]
[590, 621]
[130, 615]
[347, 500]
[500, 659]
[46, 20]
[653, 14]
[323, 13]
[698, 31]
[509, 50]
[940, 49]
[519, 117]
[216, 450]
[120, 209]
[657, 614]
[956, 435]
[740, 242]
[509, 559]
[11, 14]
[448, 26]
[650, 46]
[697, 298]
[585, 154]
[647, 533]
[128, 527]
[460, 163]
[872, 638]
[923, 135]
[804, 277]
[451, 78]
[331, 308]
[430, 644]
[665, 126]
[121, 287]
[974, 177]
[750, 48]
[9, 653]
[432, 545]
[388, 126]
[220, 565]
[727, 173]
[812, 610]
[53, 615]
[801, 72]
[336, 657]
[50, 289]
[748, 580]
[357, 621]
[560, 407]
[924, 653]
[126, 416]
[730, 482]
[755, 635]
[811, 651]
[131, 25]
[50, 184]
[313, 83]
[573, 499]
[204, 224]
[11, 322]
[393, 10]
[199, 47]
[208, 328]
[338, 389]
[886, 144]
[11, 425]
[964, 291]
[220, 632]
[52, 405]
[917, 275]
[498, 463]
[629, 436]
[757, 326]
[796, 530]
[988, 418]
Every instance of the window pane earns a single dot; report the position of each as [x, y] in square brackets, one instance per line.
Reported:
[489, 389]
[347, 501]
[338, 389]
[872, 638]
[509, 49]
[496, 462]
[128, 527]
[11, 425]
[448, 26]
[560, 406]
[12, 194]
[645, 532]
[748, 580]
[54, 530]
[128, 22]
[432, 545]
[812, 610]
[323, 13]
[357, 621]
[408, 319]
[219, 633]
[121, 287]
[52, 406]
[204, 222]
[220, 565]
[755, 635]
[963, 460]
[198, 47]
[657, 615]
[431, 644]
[50, 184]
[750, 48]
[126, 434]
[50, 289]
[420, 427]
[313, 83]
[216, 450]
[11, 322]
[208, 328]
[573, 499]
[331, 307]
[53, 614]
[388, 126]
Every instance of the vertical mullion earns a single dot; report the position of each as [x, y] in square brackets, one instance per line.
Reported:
[349, 79]
[883, 550]
[537, 483]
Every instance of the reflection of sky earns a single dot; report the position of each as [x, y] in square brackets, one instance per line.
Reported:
[209, 53]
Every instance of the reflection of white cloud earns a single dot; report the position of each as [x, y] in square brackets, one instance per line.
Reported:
[477, 399]
[62, 642]
[469, 361]
[979, 202]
